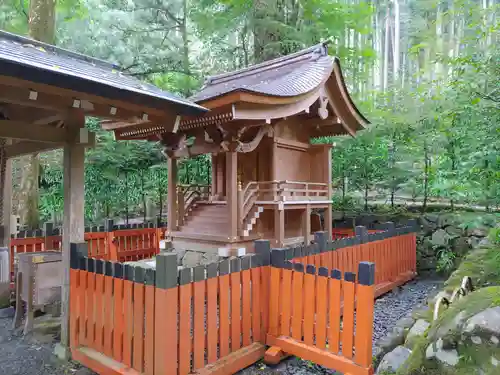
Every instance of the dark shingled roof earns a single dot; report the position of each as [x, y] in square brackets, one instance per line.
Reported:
[286, 76]
[38, 62]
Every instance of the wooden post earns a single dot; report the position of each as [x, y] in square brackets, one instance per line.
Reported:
[232, 193]
[180, 207]
[306, 224]
[328, 213]
[5, 195]
[73, 228]
[241, 219]
[172, 195]
[48, 231]
[279, 224]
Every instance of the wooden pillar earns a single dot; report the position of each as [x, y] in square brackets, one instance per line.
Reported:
[172, 195]
[232, 192]
[328, 173]
[5, 195]
[306, 224]
[279, 224]
[73, 228]
[274, 161]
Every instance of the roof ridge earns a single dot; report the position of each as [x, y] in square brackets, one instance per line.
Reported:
[321, 48]
[55, 49]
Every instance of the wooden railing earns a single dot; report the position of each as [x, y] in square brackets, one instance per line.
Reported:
[187, 196]
[277, 191]
[118, 245]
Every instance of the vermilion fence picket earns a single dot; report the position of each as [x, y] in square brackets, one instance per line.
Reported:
[219, 318]
[120, 245]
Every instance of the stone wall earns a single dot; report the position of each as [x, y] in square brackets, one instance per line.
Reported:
[440, 232]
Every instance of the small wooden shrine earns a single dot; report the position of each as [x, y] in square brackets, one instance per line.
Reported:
[267, 175]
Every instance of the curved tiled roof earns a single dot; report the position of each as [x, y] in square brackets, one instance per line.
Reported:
[287, 76]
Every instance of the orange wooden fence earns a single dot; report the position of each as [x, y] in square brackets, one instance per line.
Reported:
[218, 319]
[313, 315]
[119, 245]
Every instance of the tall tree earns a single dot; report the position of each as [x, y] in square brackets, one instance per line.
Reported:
[41, 23]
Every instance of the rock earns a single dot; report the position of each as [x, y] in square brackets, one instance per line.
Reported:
[487, 321]
[427, 226]
[461, 245]
[192, 259]
[447, 357]
[210, 258]
[427, 248]
[494, 340]
[418, 330]
[485, 242]
[440, 238]
[476, 340]
[180, 256]
[394, 360]
[406, 323]
[394, 338]
[454, 231]
[445, 220]
[495, 362]
[479, 232]
[474, 241]
[433, 218]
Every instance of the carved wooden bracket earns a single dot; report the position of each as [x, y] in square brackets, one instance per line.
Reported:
[252, 145]
[323, 103]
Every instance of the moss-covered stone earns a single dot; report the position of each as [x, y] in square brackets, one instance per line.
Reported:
[482, 265]
[474, 358]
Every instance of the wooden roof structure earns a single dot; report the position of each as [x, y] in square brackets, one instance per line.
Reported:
[309, 84]
[41, 84]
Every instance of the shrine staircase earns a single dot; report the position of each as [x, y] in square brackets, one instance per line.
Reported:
[206, 219]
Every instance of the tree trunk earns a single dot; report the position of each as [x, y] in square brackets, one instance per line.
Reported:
[41, 25]
[426, 176]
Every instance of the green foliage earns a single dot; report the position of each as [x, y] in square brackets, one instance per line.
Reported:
[435, 132]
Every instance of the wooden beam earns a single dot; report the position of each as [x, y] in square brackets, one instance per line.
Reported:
[70, 94]
[26, 131]
[54, 100]
[48, 134]
[30, 147]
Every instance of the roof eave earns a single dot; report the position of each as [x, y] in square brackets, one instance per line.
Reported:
[29, 73]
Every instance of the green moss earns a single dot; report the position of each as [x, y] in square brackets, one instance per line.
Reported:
[472, 356]
[482, 265]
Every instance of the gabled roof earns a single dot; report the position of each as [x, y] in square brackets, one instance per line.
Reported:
[304, 83]
[286, 76]
[41, 63]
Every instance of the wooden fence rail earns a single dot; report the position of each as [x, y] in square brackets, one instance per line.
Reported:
[220, 318]
[116, 245]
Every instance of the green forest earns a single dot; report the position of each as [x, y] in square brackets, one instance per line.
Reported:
[425, 73]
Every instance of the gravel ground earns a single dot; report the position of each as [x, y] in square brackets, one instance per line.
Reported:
[30, 355]
[33, 355]
[388, 310]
